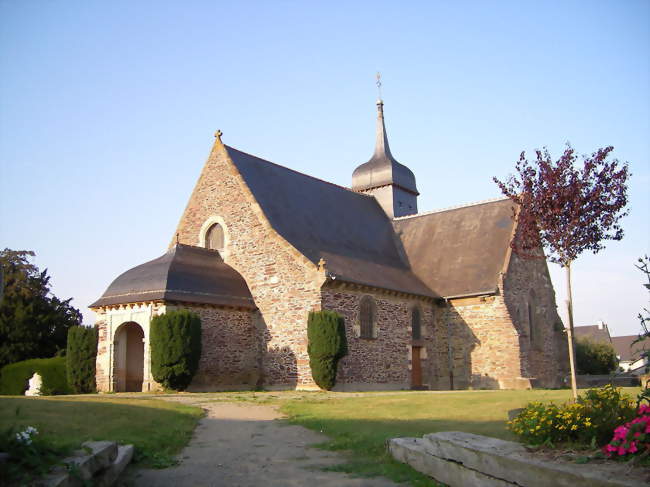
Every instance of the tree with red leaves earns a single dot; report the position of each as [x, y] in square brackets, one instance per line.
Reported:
[566, 208]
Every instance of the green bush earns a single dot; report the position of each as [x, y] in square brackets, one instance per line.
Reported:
[590, 420]
[81, 356]
[595, 357]
[30, 455]
[327, 344]
[175, 348]
[14, 377]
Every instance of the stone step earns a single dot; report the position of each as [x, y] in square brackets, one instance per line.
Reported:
[99, 464]
[111, 474]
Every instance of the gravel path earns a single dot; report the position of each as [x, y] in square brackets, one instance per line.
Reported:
[242, 445]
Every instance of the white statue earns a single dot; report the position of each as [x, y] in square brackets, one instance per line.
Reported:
[35, 384]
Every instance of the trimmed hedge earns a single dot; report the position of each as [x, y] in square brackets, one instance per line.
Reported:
[327, 344]
[14, 377]
[81, 356]
[175, 348]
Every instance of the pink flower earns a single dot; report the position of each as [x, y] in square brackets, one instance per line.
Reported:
[621, 432]
[632, 448]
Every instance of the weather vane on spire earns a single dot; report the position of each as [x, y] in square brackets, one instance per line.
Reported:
[378, 76]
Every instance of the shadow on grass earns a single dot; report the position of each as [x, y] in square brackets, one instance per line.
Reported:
[157, 429]
[365, 442]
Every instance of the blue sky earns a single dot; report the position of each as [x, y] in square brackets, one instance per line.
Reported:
[108, 109]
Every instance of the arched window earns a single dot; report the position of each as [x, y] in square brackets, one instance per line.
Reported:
[367, 317]
[214, 237]
[416, 327]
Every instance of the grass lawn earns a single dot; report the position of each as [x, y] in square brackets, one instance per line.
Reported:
[364, 423]
[158, 429]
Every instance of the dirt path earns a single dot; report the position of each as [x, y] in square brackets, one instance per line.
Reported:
[241, 445]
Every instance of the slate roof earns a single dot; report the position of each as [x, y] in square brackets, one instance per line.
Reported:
[593, 333]
[459, 251]
[382, 168]
[185, 273]
[322, 220]
[627, 351]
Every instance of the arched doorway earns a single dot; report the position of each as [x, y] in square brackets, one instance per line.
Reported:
[128, 372]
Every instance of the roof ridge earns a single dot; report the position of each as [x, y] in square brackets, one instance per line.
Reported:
[455, 207]
[295, 171]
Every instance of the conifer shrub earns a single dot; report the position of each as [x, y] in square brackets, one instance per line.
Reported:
[327, 344]
[175, 348]
[14, 377]
[81, 354]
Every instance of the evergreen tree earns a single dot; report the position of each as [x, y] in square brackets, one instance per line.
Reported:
[33, 322]
[175, 348]
[81, 354]
[327, 344]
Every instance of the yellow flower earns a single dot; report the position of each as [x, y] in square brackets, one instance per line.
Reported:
[574, 427]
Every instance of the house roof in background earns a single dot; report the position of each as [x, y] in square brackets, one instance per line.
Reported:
[593, 333]
[625, 349]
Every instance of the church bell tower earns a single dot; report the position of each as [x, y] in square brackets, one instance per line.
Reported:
[391, 183]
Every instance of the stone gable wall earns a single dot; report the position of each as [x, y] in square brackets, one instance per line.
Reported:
[384, 362]
[284, 284]
[484, 344]
[545, 354]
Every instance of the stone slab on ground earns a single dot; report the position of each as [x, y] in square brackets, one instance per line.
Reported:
[448, 456]
[412, 452]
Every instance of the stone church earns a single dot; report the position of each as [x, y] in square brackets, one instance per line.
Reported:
[431, 300]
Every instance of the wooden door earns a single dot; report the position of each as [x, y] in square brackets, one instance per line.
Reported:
[416, 368]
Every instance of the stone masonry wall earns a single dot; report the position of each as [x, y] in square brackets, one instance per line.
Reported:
[229, 350]
[284, 284]
[484, 344]
[544, 351]
[384, 362]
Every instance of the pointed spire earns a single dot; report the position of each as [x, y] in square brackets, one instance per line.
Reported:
[382, 148]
